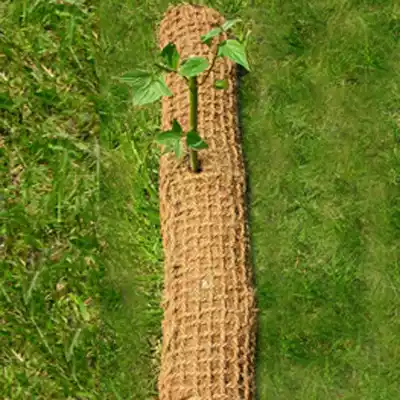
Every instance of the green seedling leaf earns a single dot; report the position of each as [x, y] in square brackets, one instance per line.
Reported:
[194, 141]
[176, 127]
[166, 138]
[178, 149]
[146, 87]
[221, 84]
[230, 23]
[168, 148]
[193, 66]
[152, 92]
[175, 147]
[234, 50]
[170, 55]
[136, 78]
[207, 38]
[171, 140]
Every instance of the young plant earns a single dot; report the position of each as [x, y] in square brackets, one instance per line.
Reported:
[150, 86]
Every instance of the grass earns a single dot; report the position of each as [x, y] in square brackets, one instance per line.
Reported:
[72, 324]
[80, 252]
[325, 214]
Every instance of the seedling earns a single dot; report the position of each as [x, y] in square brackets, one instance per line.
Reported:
[150, 86]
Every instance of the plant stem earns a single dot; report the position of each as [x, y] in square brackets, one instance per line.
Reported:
[210, 69]
[164, 67]
[194, 162]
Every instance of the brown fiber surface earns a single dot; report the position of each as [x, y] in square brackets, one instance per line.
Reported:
[209, 310]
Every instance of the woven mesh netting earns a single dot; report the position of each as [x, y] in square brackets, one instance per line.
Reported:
[209, 308]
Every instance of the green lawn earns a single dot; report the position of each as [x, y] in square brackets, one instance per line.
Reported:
[80, 249]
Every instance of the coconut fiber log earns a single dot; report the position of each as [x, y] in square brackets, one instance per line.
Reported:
[209, 308]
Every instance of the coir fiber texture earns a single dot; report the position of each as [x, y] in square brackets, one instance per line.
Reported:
[209, 308]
